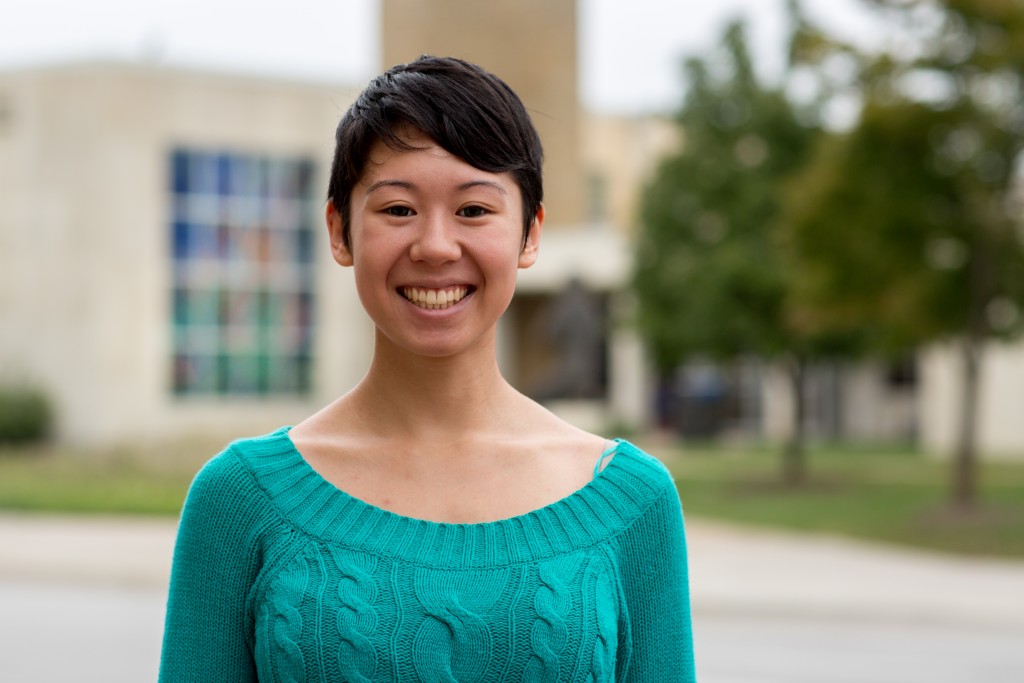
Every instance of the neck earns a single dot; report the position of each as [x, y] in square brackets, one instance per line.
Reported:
[436, 399]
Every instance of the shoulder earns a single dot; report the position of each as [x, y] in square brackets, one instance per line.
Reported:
[637, 482]
[656, 528]
[231, 478]
[643, 469]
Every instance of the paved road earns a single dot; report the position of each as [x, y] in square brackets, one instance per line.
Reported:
[87, 633]
[83, 600]
[772, 649]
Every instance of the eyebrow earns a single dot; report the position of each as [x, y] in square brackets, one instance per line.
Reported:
[389, 183]
[404, 184]
[483, 183]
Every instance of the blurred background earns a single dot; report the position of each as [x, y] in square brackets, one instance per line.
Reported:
[784, 252]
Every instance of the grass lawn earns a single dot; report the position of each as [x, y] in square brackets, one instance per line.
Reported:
[143, 480]
[891, 495]
[888, 495]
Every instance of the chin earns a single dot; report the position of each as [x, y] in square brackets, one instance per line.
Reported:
[436, 348]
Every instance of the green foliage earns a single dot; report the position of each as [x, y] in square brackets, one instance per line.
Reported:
[710, 276]
[25, 415]
[895, 232]
[909, 225]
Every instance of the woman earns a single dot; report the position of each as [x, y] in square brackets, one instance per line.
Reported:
[433, 524]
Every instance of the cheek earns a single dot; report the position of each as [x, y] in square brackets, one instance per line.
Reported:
[371, 264]
[499, 258]
[506, 258]
[375, 249]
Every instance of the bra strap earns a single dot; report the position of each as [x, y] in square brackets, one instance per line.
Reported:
[605, 455]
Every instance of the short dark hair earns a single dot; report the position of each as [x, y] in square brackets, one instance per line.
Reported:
[466, 110]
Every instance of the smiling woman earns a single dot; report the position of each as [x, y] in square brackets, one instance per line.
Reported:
[432, 523]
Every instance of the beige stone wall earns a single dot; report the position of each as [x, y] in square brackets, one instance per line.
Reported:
[85, 291]
[1001, 403]
[620, 155]
[531, 45]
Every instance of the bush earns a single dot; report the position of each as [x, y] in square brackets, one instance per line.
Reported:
[25, 415]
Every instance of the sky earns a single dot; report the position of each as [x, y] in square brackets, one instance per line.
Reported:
[631, 51]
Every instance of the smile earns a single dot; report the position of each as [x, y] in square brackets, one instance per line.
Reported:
[434, 299]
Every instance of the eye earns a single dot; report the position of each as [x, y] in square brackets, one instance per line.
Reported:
[471, 211]
[399, 211]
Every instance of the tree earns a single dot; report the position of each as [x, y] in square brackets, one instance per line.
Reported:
[909, 226]
[710, 277]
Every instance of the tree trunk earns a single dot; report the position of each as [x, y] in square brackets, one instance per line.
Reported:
[981, 269]
[965, 455]
[794, 468]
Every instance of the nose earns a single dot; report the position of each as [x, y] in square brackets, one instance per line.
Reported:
[436, 241]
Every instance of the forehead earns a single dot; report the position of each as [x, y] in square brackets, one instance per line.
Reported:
[427, 161]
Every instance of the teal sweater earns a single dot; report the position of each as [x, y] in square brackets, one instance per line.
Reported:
[280, 576]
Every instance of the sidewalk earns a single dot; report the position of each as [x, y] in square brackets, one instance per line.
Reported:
[734, 570]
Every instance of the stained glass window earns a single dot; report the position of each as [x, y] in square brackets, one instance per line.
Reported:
[241, 233]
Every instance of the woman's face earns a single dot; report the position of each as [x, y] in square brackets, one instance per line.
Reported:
[436, 244]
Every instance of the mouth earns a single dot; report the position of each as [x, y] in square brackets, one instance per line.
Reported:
[435, 299]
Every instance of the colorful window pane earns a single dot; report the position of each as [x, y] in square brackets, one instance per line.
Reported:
[241, 240]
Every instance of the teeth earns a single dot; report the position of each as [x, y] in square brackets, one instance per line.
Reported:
[434, 299]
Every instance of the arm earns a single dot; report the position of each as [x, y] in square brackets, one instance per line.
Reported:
[215, 563]
[657, 594]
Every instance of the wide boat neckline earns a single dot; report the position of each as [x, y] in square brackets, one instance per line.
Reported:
[604, 506]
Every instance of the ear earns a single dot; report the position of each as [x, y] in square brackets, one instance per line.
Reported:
[528, 256]
[341, 253]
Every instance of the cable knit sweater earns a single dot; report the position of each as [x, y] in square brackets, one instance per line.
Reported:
[280, 576]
